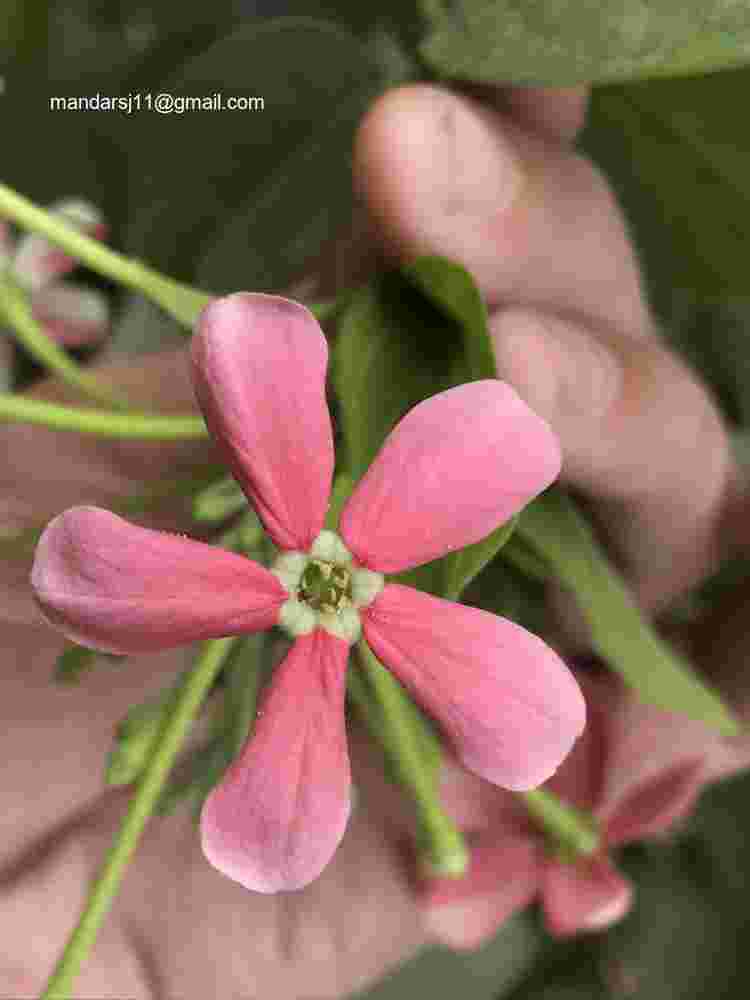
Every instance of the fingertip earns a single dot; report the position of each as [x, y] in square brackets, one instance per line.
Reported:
[428, 161]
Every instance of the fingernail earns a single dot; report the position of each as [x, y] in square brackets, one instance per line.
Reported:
[462, 926]
[559, 369]
[453, 159]
[476, 166]
[608, 914]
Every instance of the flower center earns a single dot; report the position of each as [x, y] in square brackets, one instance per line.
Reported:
[326, 586]
[325, 589]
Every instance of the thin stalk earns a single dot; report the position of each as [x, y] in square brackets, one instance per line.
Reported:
[398, 730]
[570, 829]
[181, 301]
[146, 795]
[143, 426]
[16, 312]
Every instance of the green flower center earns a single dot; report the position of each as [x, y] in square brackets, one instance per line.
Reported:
[326, 586]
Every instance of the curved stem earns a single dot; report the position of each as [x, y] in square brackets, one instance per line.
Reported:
[570, 829]
[415, 753]
[15, 309]
[180, 301]
[147, 793]
[107, 424]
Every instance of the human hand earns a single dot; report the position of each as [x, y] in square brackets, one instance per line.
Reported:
[538, 228]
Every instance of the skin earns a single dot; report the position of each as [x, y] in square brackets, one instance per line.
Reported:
[538, 227]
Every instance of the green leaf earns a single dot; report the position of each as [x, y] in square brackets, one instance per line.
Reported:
[564, 42]
[451, 288]
[410, 335]
[680, 164]
[553, 526]
[461, 567]
[137, 735]
[76, 661]
[244, 200]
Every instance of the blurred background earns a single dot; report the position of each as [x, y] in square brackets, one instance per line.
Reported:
[252, 199]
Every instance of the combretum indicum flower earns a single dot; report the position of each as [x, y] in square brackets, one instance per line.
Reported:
[69, 314]
[456, 466]
[637, 768]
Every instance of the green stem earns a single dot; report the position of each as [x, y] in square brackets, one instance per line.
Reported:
[180, 301]
[572, 831]
[15, 310]
[141, 806]
[521, 555]
[119, 425]
[398, 730]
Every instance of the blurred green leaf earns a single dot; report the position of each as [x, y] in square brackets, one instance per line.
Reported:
[450, 287]
[137, 734]
[408, 336]
[621, 634]
[484, 974]
[565, 42]
[679, 158]
[244, 199]
[463, 566]
[73, 663]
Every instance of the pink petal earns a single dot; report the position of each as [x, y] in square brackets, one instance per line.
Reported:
[280, 812]
[456, 467]
[657, 803]
[38, 262]
[259, 364]
[580, 778]
[508, 703]
[503, 877]
[589, 895]
[478, 806]
[655, 768]
[115, 586]
[70, 315]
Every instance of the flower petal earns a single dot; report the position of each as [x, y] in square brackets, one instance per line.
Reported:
[115, 586]
[37, 261]
[655, 767]
[71, 315]
[580, 778]
[657, 804]
[277, 817]
[259, 368]
[505, 699]
[453, 469]
[589, 895]
[503, 877]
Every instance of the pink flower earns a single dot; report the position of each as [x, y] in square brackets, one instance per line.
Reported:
[637, 768]
[68, 313]
[455, 467]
